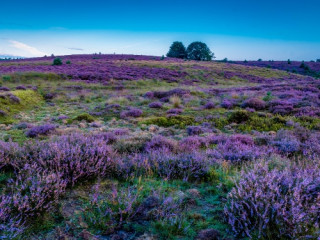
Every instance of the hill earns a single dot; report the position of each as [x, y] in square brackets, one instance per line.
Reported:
[141, 147]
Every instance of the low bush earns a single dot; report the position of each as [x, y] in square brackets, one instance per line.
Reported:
[84, 117]
[179, 121]
[57, 62]
[268, 203]
[40, 130]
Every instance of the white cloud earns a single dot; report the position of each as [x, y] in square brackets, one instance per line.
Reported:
[31, 50]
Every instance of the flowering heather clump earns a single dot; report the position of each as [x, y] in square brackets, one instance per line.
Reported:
[14, 98]
[209, 105]
[186, 166]
[21, 87]
[40, 130]
[2, 113]
[155, 105]
[192, 143]
[195, 130]
[237, 150]
[254, 103]
[75, 157]
[5, 89]
[31, 193]
[281, 107]
[227, 104]
[160, 143]
[276, 204]
[133, 112]
[174, 111]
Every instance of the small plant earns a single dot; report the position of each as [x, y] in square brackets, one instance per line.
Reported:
[268, 97]
[175, 101]
[155, 105]
[68, 62]
[57, 62]
[239, 116]
[84, 117]
[40, 130]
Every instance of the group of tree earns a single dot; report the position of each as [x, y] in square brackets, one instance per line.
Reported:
[195, 51]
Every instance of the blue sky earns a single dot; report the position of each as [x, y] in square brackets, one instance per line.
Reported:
[234, 29]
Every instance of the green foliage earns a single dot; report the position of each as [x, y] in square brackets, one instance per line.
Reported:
[177, 50]
[268, 97]
[29, 77]
[27, 100]
[16, 135]
[84, 117]
[199, 51]
[220, 122]
[239, 116]
[263, 124]
[68, 62]
[178, 121]
[172, 228]
[57, 62]
[309, 122]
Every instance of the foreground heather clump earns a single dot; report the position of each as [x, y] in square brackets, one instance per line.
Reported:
[272, 203]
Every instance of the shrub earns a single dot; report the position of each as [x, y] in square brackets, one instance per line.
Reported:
[237, 150]
[254, 103]
[192, 143]
[2, 113]
[73, 157]
[239, 116]
[133, 112]
[192, 166]
[84, 117]
[194, 130]
[155, 105]
[174, 111]
[160, 143]
[33, 192]
[227, 104]
[21, 87]
[268, 203]
[4, 89]
[57, 62]
[40, 130]
[179, 121]
[68, 62]
[209, 105]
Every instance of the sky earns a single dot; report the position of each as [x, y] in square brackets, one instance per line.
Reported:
[233, 29]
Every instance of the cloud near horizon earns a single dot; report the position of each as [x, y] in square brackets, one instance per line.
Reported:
[76, 49]
[29, 49]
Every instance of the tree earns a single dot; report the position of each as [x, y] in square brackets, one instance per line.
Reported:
[177, 50]
[199, 51]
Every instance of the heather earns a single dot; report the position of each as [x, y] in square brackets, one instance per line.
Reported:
[139, 147]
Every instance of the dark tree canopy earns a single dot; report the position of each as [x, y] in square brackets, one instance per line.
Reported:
[177, 50]
[199, 51]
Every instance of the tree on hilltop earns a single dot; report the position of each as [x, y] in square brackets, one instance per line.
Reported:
[199, 51]
[177, 50]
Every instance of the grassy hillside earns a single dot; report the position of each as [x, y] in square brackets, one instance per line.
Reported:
[138, 147]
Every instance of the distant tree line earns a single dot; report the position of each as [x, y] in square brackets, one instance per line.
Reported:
[195, 51]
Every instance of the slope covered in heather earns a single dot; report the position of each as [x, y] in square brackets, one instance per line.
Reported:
[141, 147]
